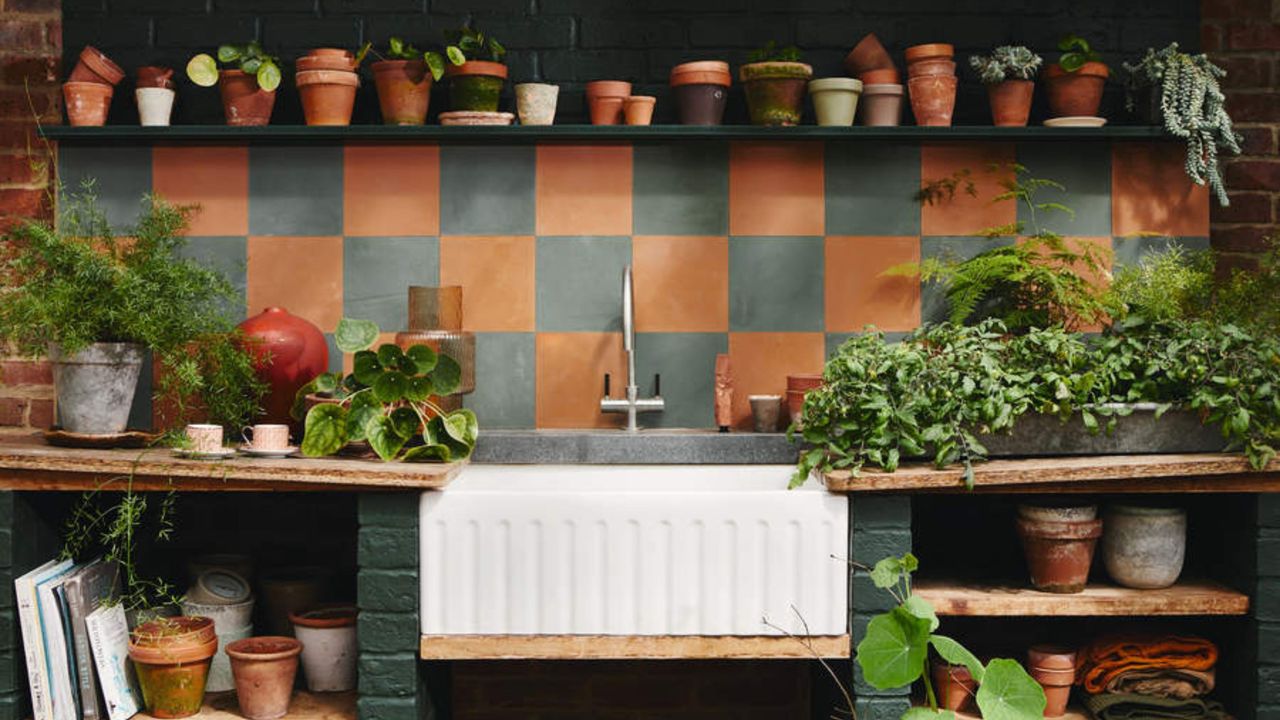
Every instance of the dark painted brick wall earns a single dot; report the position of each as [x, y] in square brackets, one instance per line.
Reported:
[572, 41]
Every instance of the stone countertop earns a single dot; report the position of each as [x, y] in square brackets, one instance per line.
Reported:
[646, 447]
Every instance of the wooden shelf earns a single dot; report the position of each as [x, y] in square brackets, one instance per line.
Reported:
[1197, 473]
[305, 706]
[1184, 599]
[627, 647]
[30, 464]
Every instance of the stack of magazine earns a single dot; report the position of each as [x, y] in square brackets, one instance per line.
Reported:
[76, 642]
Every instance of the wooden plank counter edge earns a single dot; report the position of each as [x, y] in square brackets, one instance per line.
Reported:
[1188, 598]
[628, 647]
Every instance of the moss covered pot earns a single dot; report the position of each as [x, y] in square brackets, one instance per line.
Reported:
[475, 85]
[172, 658]
[775, 91]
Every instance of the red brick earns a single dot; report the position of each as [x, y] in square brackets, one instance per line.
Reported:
[41, 414]
[1241, 238]
[1226, 264]
[1257, 106]
[21, 34]
[1257, 140]
[24, 203]
[33, 6]
[1245, 72]
[16, 169]
[53, 35]
[1210, 38]
[13, 412]
[1232, 9]
[1253, 175]
[26, 372]
[32, 70]
[1250, 207]
[1254, 36]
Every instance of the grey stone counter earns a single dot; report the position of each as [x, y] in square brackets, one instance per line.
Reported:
[647, 447]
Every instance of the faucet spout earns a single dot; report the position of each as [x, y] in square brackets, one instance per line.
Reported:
[631, 403]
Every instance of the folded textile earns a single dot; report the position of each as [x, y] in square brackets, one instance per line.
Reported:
[1108, 658]
[1178, 683]
[1116, 706]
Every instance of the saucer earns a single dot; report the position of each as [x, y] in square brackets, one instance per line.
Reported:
[1076, 121]
[222, 454]
[272, 454]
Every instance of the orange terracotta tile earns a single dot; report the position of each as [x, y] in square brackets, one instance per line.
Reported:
[1151, 193]
[1100, 279]
[681, 283]
[391, 190]
[216, 178]
[584, 190]
[966, 214]
[570, 369]
[300, 274]
[761, 363]
[857, 291]
[497, 278]
[776, 189]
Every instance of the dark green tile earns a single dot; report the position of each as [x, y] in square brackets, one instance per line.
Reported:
[775, 284]
[580, 283]
[687, 364]
[835, 340]
[140, 410]
[487, 190]
[227, 255]
[121, 177]
[504, 396]
[377, 273]
[681, 189]
[1129, 250]
[295, 190]
[871, 188]
[933, 301]
[1084, 170]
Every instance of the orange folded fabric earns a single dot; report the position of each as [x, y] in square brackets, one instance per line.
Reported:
[1107, 658]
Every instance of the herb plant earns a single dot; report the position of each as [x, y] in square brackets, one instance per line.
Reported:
[1007, 62]
[772, 52]
[250, 58]
[1076, 52]
[475, 44]
[398, 49]
[386, 400]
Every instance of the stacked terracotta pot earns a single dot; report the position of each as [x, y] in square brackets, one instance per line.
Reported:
[327, 83]
[931, 83]
[87, 92]
[1059, 543]
[701, 89]
[1054, 667]
[882, 89]
[605, 100]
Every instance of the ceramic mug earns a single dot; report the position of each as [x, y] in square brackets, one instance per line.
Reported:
[205, 438]
[267, 437]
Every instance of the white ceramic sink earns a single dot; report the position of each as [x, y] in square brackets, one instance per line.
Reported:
[632, 550]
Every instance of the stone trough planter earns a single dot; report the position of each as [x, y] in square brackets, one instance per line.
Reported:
[1140, 433]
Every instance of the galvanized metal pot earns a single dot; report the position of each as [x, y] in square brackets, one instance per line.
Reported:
[95, 386]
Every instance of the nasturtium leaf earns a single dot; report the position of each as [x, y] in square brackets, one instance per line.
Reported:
[885, 574]
[447, 375]
[957, 654]
[363, 408]
[327, 382]
[419, 388]
[325, 430]
[203, 70]
[1007, 692]
[268, 75]
[251, 65]
[355, 335]
[428, 453]
[406, 422]
[455, 425]
[383, 437]
[228, 53]
[390, 386]
[892, 654]
[435, 64]
[473, 425]
[423, 357]
[391, 356]
[365, 367]
[921, 608]
[455, 55]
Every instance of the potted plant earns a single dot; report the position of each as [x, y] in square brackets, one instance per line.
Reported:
[88, 90]
[404, 76]
[1007, 72]
[774, 81]
[248, 85]
[931, 82]
[264, 669]
[387, 400]
[327, 82]
[476, 72]
[1075, 83]
[1184, 96]
[172, 658]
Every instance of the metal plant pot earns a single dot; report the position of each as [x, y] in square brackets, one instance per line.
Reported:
[95, 386]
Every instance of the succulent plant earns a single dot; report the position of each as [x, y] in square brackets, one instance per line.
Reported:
[1007, 62]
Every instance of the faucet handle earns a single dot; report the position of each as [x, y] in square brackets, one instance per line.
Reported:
[606, 384]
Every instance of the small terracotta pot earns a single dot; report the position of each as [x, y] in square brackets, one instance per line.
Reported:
[926, 68]
[264, 669]
[1059, 553]
[326, 59]
[775, 91]
[172, 657]
[607, 88]
[1011, 102]
[701, 90]
[954, 686]
[1058, 512]
[930, 51]
[1054, 667]
[243, 102]
[804, 381]
[881, 105]
[888, 76]
[536, 103]
[598, 89]
[154, 76]
[606, 110]
[94, 66]
[933, 99]
[328, 96]
[1076, 93]
[868, 55]
[87, 103]
[638, 109]
[475, 85]
[795, 405]
[404, 91]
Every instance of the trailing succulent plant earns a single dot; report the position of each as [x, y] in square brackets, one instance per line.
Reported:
[1007, 62]
[1192, 107]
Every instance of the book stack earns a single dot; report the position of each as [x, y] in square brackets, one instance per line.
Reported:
[76, 642]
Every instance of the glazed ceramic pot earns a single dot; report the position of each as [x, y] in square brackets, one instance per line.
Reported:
[867, 56]
[775, 91]
[1059, 553]
[172, 657]
[290, 352]
[701, 90]
[243, 102]
[1054, 667]
[933, 99]
[835, 100]
[337, 59]
[638, 109]
[87, 103]
[475, 85]
[328, 96]
[1011, 102]
[536, 103]
[954, 686]
[155, 105]
[329, 649]
[1075, 94]
[95, 386]
[404, 91]
[264, 669]
[881, 105]
[1144, 547]
[94, 66]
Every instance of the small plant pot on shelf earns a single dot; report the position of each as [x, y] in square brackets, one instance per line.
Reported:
[933, 99]
[155, 76]
[835, 100]
[95, 386]
[638, 109]
[338, 59]
[536, 103]
[328, 96]
[1144, 547]
[1011, 102]
[87, 103]
[888, 76]
[881, 105]
[95, 67]
[929, 51]
[155, 106]
[1054, 667]
[775, 91]
[1075, 94]
[867, 56]
[264, 669]
[954, 686]
[929, 68]
[404, 91]
[1059, 552]
[172, 657]
[476, 85]
[701, 89]
[606, 92]
[329, 650]
[243, 102]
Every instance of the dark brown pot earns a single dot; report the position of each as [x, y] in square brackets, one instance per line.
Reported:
[1011, 102]
[1059, 553]
[933, 99]
[94, 66]
[775, 91]
[264, 669]
[1075, 94]
[243, 102]
[954, 686]
[404, 91]
[87, 103]
[1054, 667]
[154, 76]
[328, 96]
[701, 89]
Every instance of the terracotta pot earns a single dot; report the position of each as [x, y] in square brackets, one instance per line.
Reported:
[94, 66]
[888, 76]
[775, 91]
[804, 381]
[607, 88]
[868, 55]
[326, 59]
[287, 590]
[926, 68]
[638, 109]
[1058, 512]
[1011, 102]
[475, 85]
[795, 405]
[264, 669]
[954, 686]
[701, 90]
[87, 103]
[154, 76]
[243, 102]
[1059, 553]
[606, 110]
[1144, 547]
[1054, 667]
[404, 91]
[172, 659]
[536, 103]
[933, 99]
[881, 105]
[835, 100]
[328, 96]
[1076, 93]
[930, 51]
[290, 352]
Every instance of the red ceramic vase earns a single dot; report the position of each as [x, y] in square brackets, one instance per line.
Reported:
[291, 351]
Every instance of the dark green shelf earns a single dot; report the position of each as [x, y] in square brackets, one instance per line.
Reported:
[283, 134]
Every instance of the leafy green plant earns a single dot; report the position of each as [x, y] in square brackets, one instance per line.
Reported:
[1076, 52]
[895, 651]
[772, 52]
[475, 44]
[250, 58]
[398, 49]
[1007, 62]
[386, 400]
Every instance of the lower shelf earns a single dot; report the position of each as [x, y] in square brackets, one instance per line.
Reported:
[629, 647]
[305, 706]
[1184, 598]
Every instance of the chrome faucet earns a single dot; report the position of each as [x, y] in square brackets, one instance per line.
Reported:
[632, 403]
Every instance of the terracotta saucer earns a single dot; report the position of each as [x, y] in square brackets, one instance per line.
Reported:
[467, 117]
[1076, 121]
[127, 439]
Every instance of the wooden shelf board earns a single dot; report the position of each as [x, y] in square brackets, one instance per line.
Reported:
[304, 706]
[30, 464]
[1211, 472]
[1183, 599]
[627, 647]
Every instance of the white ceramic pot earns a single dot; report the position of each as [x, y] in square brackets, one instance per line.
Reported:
[536, 103]
[329, 651]
[225, 617]
[220, 678]
[154, 105]
[835, 100]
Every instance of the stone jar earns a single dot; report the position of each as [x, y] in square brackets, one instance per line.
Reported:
[1144, 547]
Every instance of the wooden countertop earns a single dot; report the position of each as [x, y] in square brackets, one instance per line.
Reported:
[1187, 597]
[28, 463]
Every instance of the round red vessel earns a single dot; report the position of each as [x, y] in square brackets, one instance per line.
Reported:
[291, 352]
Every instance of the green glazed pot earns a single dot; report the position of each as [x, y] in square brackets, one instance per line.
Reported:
[775, 91]
[476, 85]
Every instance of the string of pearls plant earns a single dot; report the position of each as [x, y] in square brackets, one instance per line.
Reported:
[1192, 108]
